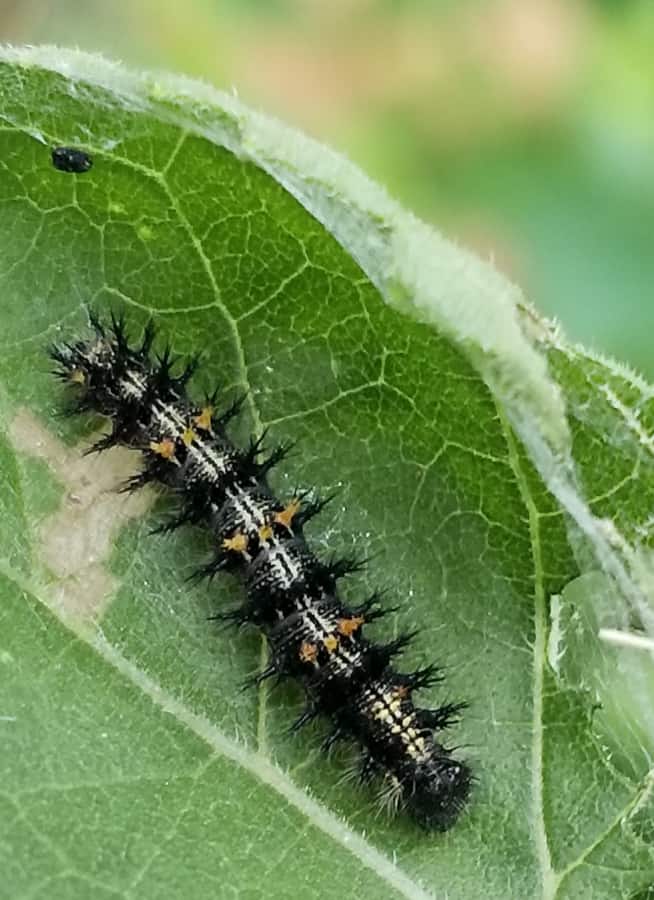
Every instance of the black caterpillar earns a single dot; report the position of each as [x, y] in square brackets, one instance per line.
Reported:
[313, 635]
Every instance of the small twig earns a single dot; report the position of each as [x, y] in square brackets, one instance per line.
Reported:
[626, 639]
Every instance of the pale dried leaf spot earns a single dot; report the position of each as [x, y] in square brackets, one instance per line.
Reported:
[76, 541]
[555, 644]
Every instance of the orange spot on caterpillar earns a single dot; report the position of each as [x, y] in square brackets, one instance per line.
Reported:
[347, 627]
[238, 543]
[285, 517]
[203, 420]
[308, 652]
[331, 643]
[77, 377]
[165, 448]
[188, 436]
[265, 533]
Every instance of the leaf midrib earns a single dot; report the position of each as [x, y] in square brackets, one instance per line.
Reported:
[549, 879]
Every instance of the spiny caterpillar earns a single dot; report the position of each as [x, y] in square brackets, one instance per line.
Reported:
[312, 634]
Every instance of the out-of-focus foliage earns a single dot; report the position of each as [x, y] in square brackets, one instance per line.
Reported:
[522, 129]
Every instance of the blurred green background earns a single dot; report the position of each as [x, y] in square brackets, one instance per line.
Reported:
[522, 128]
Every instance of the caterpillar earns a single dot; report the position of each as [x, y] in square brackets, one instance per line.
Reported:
[313, 636]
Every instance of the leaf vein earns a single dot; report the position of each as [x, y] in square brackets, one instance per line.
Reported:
[548, 876]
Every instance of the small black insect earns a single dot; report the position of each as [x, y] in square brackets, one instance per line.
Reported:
[68, 159]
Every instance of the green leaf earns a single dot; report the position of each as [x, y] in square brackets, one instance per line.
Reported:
[498, 477]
